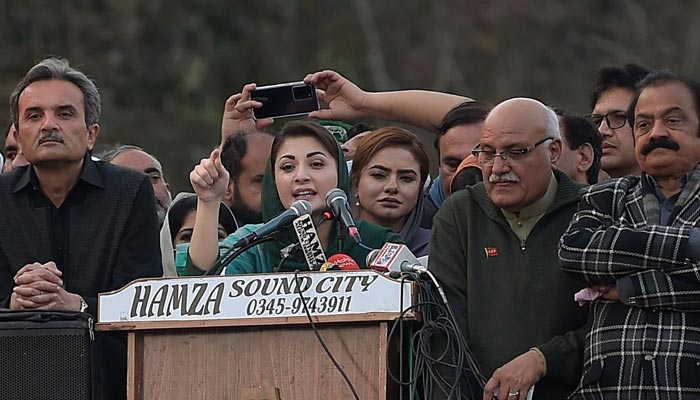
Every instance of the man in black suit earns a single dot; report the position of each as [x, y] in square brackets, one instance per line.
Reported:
[72, 227]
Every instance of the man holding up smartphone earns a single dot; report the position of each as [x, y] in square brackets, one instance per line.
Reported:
[245, 149]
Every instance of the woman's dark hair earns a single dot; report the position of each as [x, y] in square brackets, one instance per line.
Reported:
[380, 139]
[296, 129]
[179, 210]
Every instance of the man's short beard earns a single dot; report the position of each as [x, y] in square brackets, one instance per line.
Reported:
[243, 213]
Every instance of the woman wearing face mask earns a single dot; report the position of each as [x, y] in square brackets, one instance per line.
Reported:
[305, 163]
[388, 173]
[179, 224]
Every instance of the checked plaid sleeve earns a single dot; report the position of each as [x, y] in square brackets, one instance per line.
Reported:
[610, 238]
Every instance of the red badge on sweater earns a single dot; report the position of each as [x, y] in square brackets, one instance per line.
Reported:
[491, 252]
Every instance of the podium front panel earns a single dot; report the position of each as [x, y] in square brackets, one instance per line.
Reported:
[234, 363]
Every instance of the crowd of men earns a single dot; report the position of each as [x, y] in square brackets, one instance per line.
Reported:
[605, 207]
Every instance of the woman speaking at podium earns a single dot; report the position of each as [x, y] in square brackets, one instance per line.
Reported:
[305, 164]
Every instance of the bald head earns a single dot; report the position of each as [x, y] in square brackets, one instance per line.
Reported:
[136, 158]
[521, 113]
[525, 133]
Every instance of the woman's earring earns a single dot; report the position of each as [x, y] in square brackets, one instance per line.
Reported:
[357, 200]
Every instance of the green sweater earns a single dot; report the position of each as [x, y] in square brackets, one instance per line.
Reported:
[516, 297]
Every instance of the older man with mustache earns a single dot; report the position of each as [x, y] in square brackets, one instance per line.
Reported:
[636, 242]
[494, 248]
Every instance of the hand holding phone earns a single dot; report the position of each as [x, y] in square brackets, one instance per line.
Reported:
[285, 100]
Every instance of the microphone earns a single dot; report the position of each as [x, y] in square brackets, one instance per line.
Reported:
[309, 241]
[340, 262]
[283, 220]
[337, 202]
[344, 262]
[329, 266]
[371, 256]
[394, 257]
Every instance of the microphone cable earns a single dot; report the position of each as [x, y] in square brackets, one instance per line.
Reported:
[364, 246]
[231, 254]
[438, 322]
[285, 254]
[322, 342]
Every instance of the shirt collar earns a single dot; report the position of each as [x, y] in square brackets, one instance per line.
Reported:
[89, 174]
[652, 186]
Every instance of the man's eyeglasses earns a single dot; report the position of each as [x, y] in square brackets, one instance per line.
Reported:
[614, 119]
[487, 157]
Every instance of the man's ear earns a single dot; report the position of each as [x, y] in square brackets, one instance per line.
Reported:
[555, 151]
[584, 157]
[93, 132]
[228, 195]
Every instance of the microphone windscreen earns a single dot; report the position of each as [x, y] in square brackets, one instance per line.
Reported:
[344, 262]
[371, 256]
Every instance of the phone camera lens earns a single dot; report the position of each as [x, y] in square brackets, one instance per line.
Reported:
[302, 92]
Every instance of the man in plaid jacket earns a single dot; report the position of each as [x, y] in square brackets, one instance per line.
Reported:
[635, 241]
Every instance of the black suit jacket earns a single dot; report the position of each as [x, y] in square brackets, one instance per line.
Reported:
[111, 238]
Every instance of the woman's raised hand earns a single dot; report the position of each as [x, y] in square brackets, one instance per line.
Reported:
[209, 178]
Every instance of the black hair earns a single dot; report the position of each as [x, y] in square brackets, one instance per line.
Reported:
[178, 212]
[234, 150]
[579, 131]
[469, 112]
[358, 128]
[659, 78]
[626, 77]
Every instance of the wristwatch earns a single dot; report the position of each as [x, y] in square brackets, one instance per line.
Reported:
[83, 304]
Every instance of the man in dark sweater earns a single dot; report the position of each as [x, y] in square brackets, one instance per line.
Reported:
[72, 227]
[494, 248]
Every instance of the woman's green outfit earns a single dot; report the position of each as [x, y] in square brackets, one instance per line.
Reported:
[266, 256]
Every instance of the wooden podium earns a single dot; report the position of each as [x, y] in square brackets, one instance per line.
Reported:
[248, 338]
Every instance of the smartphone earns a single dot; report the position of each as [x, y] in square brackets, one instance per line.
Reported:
[285, 100]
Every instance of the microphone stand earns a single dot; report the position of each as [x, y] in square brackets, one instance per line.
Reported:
[231, 255]
[339, 234]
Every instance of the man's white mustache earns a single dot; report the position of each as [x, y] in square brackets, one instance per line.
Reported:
[507, 177]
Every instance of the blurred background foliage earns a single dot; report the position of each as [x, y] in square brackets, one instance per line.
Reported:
[166, 67]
